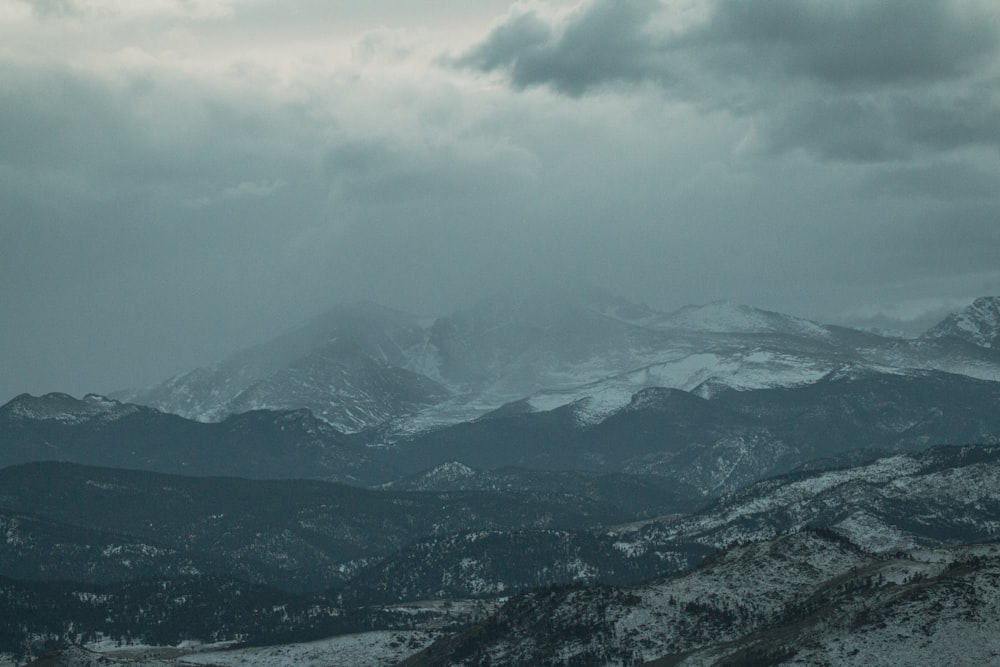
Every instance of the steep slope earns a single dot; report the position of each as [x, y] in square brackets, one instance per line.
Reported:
[947, 495]
[942, 495]
[350, 367]
[978, 324]
[805, 594]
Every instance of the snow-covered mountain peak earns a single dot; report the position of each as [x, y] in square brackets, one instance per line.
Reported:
[729, 317]
[978, 323]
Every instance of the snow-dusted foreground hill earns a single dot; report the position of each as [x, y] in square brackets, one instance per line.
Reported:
[811, 566]
[805, 598]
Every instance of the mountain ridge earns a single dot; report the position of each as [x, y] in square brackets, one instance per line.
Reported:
[978, 323]
[402, 373]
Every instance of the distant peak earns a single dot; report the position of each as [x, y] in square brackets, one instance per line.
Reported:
[978, 323]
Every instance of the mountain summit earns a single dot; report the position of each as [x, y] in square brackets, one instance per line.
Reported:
[358, 365]
[978, 323]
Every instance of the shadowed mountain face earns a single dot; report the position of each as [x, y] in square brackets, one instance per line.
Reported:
[99, 431]
[721, 444]
[701, 447]
[101, 525]
[363, 366]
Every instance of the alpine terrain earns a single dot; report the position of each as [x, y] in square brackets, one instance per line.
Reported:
[538, 479]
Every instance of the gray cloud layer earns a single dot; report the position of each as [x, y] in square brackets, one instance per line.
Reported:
[605, 42]
[203, 183]
[845, 44]
[854, 80]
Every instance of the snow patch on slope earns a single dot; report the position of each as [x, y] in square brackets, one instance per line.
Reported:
[701, 373]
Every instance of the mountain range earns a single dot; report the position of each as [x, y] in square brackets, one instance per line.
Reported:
[363, 366]
[696, 447]
[553, 478]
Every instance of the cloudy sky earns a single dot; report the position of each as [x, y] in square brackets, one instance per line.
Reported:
[182, 178]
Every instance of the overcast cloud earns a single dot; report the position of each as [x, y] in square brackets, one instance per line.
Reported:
[181, 179]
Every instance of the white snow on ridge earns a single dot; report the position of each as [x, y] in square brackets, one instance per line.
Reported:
[757, 369]
[867, 529]
[792, 495]
[729, 317]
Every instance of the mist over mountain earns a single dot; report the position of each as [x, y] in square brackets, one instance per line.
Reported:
[363, 366]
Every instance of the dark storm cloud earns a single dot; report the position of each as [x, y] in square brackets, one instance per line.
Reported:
[172, 191]
[856, 42]
[861, 81]
[848, 43]
[606, 42]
